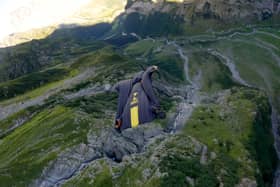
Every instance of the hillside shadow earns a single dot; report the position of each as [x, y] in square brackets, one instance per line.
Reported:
[69, 41]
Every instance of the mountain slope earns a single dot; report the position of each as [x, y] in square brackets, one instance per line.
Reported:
[93, 12]
[220, 91]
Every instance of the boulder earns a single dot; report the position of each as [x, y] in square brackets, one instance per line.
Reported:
[116, 146]
[66, 165]
[245, 182]
[109, 142]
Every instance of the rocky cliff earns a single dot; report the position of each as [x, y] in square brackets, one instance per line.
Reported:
[234, 10]
[191, 11]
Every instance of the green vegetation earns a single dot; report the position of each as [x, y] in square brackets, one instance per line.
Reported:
[178, 167]
[235, 127]
[104, 56]
[33, 93]
[95, 105]
[239, 128]
[103, 179]
[171, 67]
[111, 68]
[215, 75]
[30, 147]
[142, 48]
[39, 140]
[201, 26]
[39, 83]
[273, 39]
[60, 47]
[165, 57]
[156, 24]
[29, 82]
[91, 177]
[170, 64]
[261, 69]
[7, 125]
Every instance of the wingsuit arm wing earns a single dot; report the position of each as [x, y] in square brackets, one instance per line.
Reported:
[148, 88]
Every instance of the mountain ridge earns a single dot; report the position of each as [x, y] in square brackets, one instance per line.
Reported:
[188, 10]
[92, 13]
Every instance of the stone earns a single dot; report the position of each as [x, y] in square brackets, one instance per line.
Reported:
[116, 146]
[135, 136]
[152, 132]
[67, 164]
[203, 158]
[197, 146]
[213, 155]
[245, 182]
[146, 173]
[190, 181]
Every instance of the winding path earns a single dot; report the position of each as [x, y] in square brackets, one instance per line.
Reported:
[228, 62]
[189, 102]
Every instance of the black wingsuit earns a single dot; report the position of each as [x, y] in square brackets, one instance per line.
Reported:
[137, 102]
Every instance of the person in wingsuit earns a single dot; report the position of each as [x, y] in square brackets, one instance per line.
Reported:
[137, 103]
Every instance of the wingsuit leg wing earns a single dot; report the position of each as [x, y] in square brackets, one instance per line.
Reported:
[124, 89]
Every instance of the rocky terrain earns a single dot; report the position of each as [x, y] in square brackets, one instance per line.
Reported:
[190, 10]
[219, 88]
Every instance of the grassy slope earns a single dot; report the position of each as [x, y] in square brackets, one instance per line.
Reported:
[142, 48]
[30, 147]
[230, 131]
[157, 53]
[215, 76]
[59, 47]
[51, 128]
[39, 83]
[29, 82]
[239, 128]
[255, 64]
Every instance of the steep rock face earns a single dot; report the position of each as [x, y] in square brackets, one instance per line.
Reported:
[224, 10]
[157, 18]
[106, 11]
[233, 10]
[109, 144]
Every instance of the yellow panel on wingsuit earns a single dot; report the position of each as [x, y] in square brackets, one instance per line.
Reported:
[134, 117]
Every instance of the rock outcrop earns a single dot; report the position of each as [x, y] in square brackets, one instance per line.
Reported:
[109, 144]
[225, 10]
